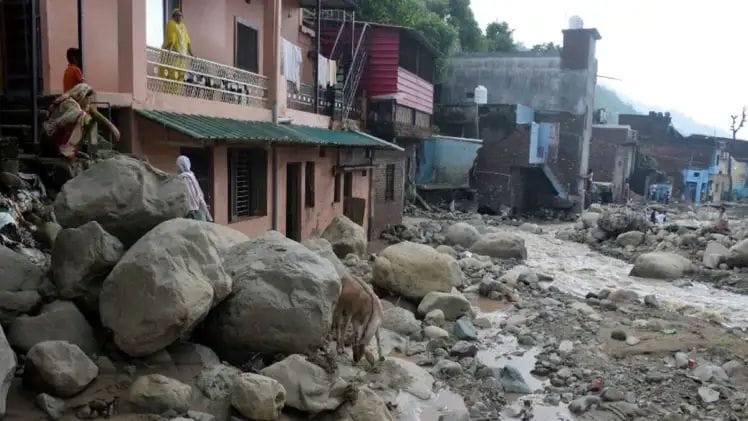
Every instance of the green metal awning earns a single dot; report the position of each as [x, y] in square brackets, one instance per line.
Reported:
[215, 128]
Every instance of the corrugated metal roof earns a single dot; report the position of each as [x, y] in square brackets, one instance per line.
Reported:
[215, 128]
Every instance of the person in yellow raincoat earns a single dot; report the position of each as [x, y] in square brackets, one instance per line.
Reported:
[176, 40]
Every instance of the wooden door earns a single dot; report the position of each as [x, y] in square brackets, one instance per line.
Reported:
[293, 201]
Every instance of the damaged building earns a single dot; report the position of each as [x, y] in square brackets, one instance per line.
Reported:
[536, 124]
[613, 159]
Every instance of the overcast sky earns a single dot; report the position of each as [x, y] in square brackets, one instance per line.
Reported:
[687, 56]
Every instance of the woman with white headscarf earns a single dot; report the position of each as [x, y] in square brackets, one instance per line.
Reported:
[198, 207]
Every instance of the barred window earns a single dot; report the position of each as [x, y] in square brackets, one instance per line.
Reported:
[248, 183]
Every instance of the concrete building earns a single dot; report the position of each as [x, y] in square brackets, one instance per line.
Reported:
[612, 156]
[257, 126]
[444, 167]
[558, 89]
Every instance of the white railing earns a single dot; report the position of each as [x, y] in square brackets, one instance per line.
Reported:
[173, 73]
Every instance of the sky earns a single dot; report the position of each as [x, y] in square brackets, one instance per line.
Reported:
[676, 55]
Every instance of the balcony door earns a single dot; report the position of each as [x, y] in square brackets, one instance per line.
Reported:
[246, 55]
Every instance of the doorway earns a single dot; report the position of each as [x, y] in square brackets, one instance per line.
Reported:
[354, 208]
[201, 162]
[293, 201]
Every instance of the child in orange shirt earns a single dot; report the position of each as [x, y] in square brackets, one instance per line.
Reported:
[73, 73]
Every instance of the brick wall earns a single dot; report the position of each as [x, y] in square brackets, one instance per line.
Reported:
[387, 211]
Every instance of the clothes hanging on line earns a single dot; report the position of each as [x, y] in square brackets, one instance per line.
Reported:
[291, 60]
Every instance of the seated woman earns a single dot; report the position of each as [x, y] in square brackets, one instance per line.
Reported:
[73, 122]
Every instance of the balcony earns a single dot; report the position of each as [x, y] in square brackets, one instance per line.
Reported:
[172, 73]
[302, 98]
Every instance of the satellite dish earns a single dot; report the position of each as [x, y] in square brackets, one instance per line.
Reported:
[575, 22]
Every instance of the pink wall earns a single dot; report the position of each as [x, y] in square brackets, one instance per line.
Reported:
[414, 92]
[100, 45]
[290, 30]
[59, 31]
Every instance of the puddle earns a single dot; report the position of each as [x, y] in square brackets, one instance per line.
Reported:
[444, 403]
[524, 362]
[486, 305]
[537, 411]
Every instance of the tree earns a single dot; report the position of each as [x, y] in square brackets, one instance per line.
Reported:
[546, 47]
[737, 123]
[499, 37]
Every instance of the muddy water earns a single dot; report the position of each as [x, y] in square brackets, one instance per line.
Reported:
[578, 270]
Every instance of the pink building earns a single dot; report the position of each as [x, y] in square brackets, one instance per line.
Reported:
[243, 111]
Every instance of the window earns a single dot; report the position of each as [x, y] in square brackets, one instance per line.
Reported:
[247, 49]
[348, 185]
[309, 184]
[336, 193]
[158, 13]
[248, 183]
[389, 183]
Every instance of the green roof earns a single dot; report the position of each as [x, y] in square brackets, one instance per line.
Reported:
[215, 128]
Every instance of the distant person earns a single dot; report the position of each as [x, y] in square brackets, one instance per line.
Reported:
[722, 224]
[73, 73]
[653, 217]
[198, 209]
[661, 218]
[176, 39]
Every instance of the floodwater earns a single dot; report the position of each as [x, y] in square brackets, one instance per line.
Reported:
[578, 270]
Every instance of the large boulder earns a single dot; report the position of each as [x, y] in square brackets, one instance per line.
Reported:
[661, 265]
[324, 249]
[413, 270]
[58, 368]
[158, 394]
[7, 369]
[462, 234]
[452, 305]
[18, 272]
[738, 256]
[16, 303]
[502, 245]
[308, 387]
[402, 321]
[58, 321]
[631, 238]
[715, 254]
[618, 221]
[283, 299]
[166, 283]
[81, 258]
[258, 397]
[346, 237]
[366, 406]
[128, 197]
[589, 219]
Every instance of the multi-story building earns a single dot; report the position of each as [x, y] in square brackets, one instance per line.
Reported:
[268, 108]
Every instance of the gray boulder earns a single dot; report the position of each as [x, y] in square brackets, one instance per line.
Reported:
[16, 303]
[661, 265]
[464, 330]
[128, 197]
[58, 321]
[19, 273]
[166, 283]
[396, 375]
[452, 305]
[7, 369]
[367, 406]
[258, 397]
[346, 237]
[618, 221]
[402, 321]
[738, 256]
[715, 254]
[283, 299]
[323, 248]
[631, 238]
[216, 381]
[52, 406]
[512, 381]
[589, 219]
[158, 394]
[462, 234]
[58, 368]
[191, 354]
[308, 387]
[502, 245]
[81, 258]
[413, 270]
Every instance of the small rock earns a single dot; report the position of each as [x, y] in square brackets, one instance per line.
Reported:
[59, 368]
[434, 332]
[651, 301]
[454, 306]
[732, 367]
[105, 365]
[258, 397]
[583, 404]
[613, 395]
[217, 381]
[565, 347]
[52, 406]
[632, 340]
[526, 340]
[464, 330]
[447, 368]
[434, 318]
[159, 394]
[681, 360]
[463, 349]
[200, 416]
[512, 381]
[708, 395]
[618, 335]
[709, 372]
[482, 323]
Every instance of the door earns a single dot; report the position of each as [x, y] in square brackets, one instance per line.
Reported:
[354, 208]
[293, 201]
[201, 160]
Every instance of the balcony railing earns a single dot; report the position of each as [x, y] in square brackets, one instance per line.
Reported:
[302, 98]
[176, 74]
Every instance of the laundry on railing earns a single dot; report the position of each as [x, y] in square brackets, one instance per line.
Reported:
[291, 62]
[327, 72]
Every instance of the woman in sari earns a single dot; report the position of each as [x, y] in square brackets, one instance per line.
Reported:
[198, 209]
[176, 40]
[74, 121]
